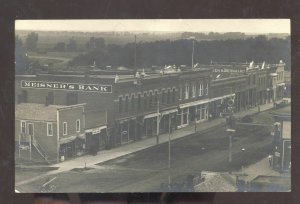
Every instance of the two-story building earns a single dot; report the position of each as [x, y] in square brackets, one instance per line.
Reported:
[56, 131]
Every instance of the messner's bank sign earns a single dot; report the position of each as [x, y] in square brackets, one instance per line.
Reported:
[67, 86]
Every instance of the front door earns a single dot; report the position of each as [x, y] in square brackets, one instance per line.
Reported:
[30, 129]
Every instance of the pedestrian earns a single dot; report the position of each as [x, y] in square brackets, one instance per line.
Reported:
[270, 159]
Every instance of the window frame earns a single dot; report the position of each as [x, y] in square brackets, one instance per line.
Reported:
[79, 126]
[49, 123]
[186, 91]
[65, 133]
[23, 121]
[194, 90]
[201, 91]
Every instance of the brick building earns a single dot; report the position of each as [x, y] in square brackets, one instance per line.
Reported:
[125, 107]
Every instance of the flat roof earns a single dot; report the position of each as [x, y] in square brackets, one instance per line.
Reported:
[36, 112]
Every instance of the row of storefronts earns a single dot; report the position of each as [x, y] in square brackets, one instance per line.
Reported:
[118, 112]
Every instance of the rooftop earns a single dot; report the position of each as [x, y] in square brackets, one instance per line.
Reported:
[37, 112]
[217, 182]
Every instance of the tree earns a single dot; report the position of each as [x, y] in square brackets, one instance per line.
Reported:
[21, 60]
[72, 45]
[60, 47]
[31, 41]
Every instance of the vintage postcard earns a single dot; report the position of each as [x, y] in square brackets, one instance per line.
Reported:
[185, 105]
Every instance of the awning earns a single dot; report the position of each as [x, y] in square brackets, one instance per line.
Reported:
[96, 130]
[168, 112]
[151, 115]
[281, 84]
[67, 139]
[221, 97]
[194, 103]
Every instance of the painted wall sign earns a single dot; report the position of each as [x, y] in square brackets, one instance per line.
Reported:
[67, 86]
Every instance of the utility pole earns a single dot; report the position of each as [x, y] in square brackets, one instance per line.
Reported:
[193, 54]
[157, 123]
[135, 68]
[169, 160]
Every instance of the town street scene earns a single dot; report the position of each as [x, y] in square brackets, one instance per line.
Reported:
[152, 106]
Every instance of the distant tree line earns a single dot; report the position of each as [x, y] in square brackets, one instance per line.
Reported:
[179, 52]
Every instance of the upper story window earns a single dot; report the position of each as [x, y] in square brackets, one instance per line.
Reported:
[50, 97]
[254, 79]
[139, 101]
[49, 129]
[132, 103]
[193, 90]
[120, 104]
[186, 91]
[169, 96]
[145, 100]
[77, 125]
[206, 89]
[65, 128]
[72, 98]
[163, 97]
[126, 103]
[180, 93]
[150, 100]
[23, 127]
[156, 97]
[200, 89]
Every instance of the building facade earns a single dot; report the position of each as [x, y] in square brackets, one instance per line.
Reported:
[123, 108]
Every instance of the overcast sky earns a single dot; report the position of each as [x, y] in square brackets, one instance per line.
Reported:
[195, 25]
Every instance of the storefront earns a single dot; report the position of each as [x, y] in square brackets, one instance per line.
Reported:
[126, 131]
[218, 105]
[150, 125]
[95, 140]
[67, 148]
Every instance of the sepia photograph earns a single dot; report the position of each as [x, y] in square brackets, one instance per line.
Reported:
[152, 105]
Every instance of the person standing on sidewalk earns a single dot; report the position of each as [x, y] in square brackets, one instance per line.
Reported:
[270, 159]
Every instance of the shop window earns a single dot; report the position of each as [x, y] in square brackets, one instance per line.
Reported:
[120, 104]
[77, 125]
[65, 128]
[23, 126]
[49, 129]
